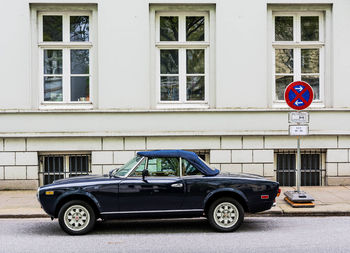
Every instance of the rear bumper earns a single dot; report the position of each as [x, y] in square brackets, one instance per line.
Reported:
[261, 207]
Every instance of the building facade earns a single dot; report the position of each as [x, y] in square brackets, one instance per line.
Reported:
[97, 81]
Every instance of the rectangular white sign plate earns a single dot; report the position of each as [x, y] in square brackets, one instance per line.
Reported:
[297, 130]
[298, 117]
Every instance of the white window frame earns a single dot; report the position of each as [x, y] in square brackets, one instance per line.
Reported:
[297, 45]
[65, 45]
[182, 45]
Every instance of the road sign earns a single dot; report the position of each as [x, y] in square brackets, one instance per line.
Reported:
[299, 95]
[298, 117]
[298, 130]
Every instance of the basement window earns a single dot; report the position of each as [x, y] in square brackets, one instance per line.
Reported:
[59, 166]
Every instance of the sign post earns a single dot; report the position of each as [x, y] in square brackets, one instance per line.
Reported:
[298, 95]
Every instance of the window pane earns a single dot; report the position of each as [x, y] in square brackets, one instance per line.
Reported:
[314, 81]
[309, 60]
[169, 61]
[169, 28]
[188, 169]
[53, 88]
[52, 61]
[53, 164]
[281, 84]
[79, 88]
[163, 167]
[127, 167]
[79, 61]
[284, 28]
[309, 29]
[79, 28]
[52, 28]
[195, 28]
[195, 61]
[169, 88]
[195, 88]
[284, 60]
[78, 165]
[138, 171]
[286, 169]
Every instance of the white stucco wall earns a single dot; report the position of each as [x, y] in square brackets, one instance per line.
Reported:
[123, 45]
[124, 76]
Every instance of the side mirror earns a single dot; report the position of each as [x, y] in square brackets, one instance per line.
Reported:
[144, 174]
[111, 172]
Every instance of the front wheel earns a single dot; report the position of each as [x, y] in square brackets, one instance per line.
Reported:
[76, 217]
[225, 215]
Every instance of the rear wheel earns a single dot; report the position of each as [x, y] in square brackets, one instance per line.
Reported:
[76, 217]
[225, 215]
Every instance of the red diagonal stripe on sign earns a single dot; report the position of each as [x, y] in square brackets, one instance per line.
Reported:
[299, 95]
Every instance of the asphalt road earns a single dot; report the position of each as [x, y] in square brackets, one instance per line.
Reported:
[257, 234]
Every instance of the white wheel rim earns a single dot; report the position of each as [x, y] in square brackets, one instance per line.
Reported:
[76, 217]
[226, 215]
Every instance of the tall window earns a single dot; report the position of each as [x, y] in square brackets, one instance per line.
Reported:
[298, 43]
[65, 67]
[182, 41]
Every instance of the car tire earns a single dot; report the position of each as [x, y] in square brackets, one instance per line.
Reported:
[225, 215]
[76, 217]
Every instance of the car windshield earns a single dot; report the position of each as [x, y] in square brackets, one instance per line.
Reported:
[126, 167]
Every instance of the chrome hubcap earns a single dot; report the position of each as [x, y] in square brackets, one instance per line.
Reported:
[226, 215]
[76, 217]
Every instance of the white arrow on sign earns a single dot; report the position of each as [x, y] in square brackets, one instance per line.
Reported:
[299, 88]
[297, 103]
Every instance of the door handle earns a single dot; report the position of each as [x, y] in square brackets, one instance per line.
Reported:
[178, 185]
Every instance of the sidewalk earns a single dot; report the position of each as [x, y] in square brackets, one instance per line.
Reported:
[329, 201]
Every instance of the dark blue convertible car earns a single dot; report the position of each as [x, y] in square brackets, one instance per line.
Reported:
[158, 184]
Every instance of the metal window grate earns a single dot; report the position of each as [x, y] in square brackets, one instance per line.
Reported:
[54, 167]
[311, 168]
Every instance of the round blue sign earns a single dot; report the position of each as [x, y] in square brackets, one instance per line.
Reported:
[299, 95]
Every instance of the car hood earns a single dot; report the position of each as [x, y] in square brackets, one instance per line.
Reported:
[81, 179]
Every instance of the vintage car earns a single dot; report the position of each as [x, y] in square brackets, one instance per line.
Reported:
[158, 184]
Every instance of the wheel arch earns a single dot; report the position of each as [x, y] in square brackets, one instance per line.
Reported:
[232, 193]
[88, 198]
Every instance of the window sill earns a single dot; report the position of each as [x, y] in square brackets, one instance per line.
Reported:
[182, 106]
[283, 105]
[66, 106]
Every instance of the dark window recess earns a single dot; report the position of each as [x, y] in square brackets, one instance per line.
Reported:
[78, 165]
[311, 169]
[204, 154]
[55, 167]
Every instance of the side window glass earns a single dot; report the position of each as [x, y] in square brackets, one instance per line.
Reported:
[138, 171]
[164, 167]
[188, 169]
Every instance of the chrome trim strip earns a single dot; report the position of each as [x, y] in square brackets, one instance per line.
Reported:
[155, 211]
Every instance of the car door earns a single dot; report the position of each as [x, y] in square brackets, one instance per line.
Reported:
[162, 189]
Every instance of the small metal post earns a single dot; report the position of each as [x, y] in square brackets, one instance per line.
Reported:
[298, 175]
